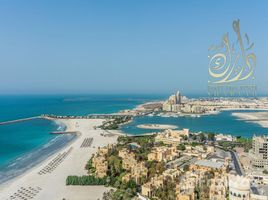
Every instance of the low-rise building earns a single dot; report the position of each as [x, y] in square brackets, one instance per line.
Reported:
[128, 159]
[101, 165]
[148, 188]
[221, 137]
[173, 137]
[138, 172]
[163, 153]
[207, 165]
[185, 190]
[172, 173]
[218, 187]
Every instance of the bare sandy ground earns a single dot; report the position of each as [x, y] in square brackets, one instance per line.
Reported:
[260, 118]
[157, 126]
[53, 184]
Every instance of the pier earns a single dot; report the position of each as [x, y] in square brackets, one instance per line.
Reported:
[19, 120]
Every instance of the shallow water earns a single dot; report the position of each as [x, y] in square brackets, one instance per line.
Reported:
[24, 144]
[222, 122]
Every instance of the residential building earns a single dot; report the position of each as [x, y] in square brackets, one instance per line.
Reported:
[218, 187]
[259, 153]
[173, 137]
[155, 182]
[163, 153]
[207, 165]
[100, 164]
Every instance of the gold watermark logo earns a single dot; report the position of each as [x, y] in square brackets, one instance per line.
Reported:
[232, 65]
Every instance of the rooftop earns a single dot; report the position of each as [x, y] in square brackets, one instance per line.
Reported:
[208, 163]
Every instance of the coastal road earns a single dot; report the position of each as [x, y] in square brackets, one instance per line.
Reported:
[238, 168]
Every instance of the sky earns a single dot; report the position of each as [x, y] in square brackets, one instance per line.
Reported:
[135, 46]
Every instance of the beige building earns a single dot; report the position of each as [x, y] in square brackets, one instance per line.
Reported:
[174, 103]
[207, 165]
[148, 188]
[163, 153]
[259, 153]
[139, 171]
[101, 165]
[128, 158]
[173, 137]
[186, 195]
[194, 109]
[99, 161]
[136, 170]
[218, 187]
[185, 189]
[172, 173]
[200, 151]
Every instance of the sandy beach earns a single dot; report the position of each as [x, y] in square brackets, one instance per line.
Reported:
[50, 184]
[260, 118]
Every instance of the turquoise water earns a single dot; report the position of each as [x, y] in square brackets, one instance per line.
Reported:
[27, 143]
[223, 122]
[19, 138]
[14, 107]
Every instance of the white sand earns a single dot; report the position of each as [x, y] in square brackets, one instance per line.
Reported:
[53, 184]
[157, 126]
[260, 118]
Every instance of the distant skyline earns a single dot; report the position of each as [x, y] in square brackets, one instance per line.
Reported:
[52, 47]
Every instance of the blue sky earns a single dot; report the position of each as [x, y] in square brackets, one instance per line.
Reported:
[139, 46]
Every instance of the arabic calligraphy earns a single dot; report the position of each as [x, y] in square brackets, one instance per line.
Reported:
[232, 63]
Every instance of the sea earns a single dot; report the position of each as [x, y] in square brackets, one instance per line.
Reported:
[220, 123]
[25, 144]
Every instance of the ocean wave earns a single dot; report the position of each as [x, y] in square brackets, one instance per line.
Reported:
[31, 159]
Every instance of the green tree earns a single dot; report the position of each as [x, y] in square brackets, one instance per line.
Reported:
[186, 168]
[181, 147]
[202, 137]
[211, 136]
[194, 137]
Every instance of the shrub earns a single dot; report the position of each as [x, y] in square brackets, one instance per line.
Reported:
[85, 180]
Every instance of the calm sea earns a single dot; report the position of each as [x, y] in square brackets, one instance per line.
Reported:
[223, 122]
[25, 144]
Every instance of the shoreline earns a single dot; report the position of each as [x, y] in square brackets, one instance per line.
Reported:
[35, 165]
[25, 162]
[9, 187]
[53, 183]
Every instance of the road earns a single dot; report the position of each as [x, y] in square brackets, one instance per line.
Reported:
[238, 167]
